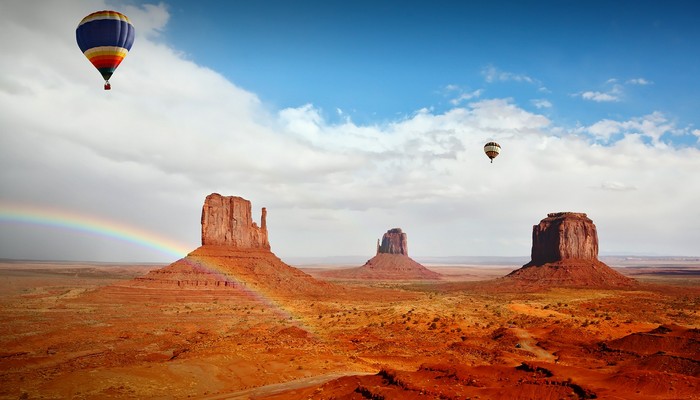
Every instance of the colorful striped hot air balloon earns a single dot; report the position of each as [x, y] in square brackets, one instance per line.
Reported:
[105, 37]
[492, 149]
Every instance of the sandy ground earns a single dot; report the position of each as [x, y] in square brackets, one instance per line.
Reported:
[72, 331]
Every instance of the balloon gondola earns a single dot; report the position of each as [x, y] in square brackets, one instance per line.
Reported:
[492, 150]
[105, 37]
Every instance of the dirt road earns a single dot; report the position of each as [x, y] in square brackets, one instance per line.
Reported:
[527, 343]
[285, 386]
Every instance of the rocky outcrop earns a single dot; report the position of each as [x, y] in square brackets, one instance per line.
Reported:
[235, 254]
[227, 221]
[394, 241]
[569, 272]
[565, 253]
[390, 263]
[564, 235]
[224, 267]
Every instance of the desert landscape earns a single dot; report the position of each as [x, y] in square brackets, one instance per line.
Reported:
[233, 321]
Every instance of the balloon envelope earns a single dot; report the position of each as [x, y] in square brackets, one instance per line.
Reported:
[105, 37]
[492, 149]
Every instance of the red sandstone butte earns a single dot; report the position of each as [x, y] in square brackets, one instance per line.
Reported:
[235, 254]
[227, 221]
[564, 235]
[565, 253]
[394, 241]
[390, 263]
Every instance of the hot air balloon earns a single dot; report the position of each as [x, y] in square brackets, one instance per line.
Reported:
[105, 37]
[492, 149]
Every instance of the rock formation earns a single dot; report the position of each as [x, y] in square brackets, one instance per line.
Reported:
[564, 235]
[227, 221]
[394, 241]
[390, 263]
[235, 254]
[565, 253]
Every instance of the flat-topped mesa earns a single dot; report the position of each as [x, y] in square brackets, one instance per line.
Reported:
[394, 241]
[563, 236]
[564, 253]
[227, 221]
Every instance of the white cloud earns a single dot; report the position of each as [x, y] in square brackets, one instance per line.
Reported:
[541, 103]
[599, 96]
[149, 19]
[466, 96]
[616, 186]
[613, 94]
[652, 126]
[604, 129]
[171, 131]
[493, 74]
[639, 81]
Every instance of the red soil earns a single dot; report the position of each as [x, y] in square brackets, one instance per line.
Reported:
[566, 273]
[222, 267]
[70, 336]
[634, 376]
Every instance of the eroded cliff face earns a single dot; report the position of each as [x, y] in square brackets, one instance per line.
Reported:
[394, 241]
[562, 236]
[564, 253]
[227, 221]
[235, 255]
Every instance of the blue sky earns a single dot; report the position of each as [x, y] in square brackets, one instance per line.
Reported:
[379, 60]
[346, 119]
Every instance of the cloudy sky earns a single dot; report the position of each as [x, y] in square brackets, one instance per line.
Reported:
[346, 119]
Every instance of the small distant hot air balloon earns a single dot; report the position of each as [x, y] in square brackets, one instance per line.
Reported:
[492, 149]
[105, 37]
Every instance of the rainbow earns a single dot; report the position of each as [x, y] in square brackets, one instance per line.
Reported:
[258, 294]
[64, 219]
[90, 224]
